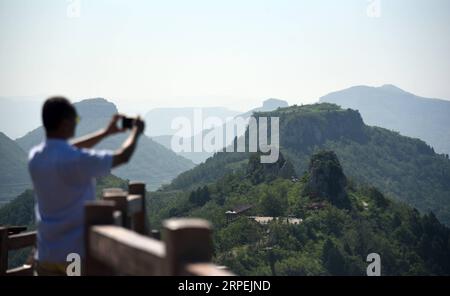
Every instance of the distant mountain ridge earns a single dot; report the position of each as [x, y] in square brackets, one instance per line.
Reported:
[29, 110]
[199, 157]
[393, 108]
[151, 163]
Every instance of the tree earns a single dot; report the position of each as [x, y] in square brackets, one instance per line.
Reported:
[200, 196]
[274, 201]
[333, 259]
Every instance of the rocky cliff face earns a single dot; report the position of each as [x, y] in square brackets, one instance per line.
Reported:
[151, 163]
[313, 129]
[327, 180]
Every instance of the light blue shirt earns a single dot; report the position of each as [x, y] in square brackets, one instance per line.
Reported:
[64, 179]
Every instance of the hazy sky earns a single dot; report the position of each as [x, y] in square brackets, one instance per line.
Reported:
[228, 53]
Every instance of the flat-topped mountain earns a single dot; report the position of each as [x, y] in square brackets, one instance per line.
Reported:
[393, 108]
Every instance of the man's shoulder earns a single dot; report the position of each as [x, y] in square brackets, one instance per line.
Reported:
[35, 150]
[44, 149]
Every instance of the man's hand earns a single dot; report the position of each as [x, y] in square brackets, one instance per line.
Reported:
[139, 125]
[91, 140]
[124, 154]
[112, 127]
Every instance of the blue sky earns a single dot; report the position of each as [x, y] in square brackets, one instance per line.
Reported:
[228, 53]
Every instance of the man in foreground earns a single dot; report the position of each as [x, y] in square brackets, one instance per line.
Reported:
[63, 175]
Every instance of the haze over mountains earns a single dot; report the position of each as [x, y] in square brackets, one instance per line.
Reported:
[199, 157]
[160, 129]
[152, 162]
[393, 108]
[268, 105]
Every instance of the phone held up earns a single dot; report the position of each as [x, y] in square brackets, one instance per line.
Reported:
[127, 122]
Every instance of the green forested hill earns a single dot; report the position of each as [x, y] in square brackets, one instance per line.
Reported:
[14, 177]
[404, 168]
[342, 222]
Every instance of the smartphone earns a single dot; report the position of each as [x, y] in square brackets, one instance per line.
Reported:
[127, 123]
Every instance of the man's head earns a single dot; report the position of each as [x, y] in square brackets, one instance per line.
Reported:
[59, 118]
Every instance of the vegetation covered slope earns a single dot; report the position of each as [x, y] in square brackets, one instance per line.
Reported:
[342, 223]
[403, 168]
[14, 177]
[200, 157]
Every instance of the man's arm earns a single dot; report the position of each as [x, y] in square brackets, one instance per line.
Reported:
[123, 155]
[91, 140]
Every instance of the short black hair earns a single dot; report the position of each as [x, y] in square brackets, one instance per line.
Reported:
[55, 110]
